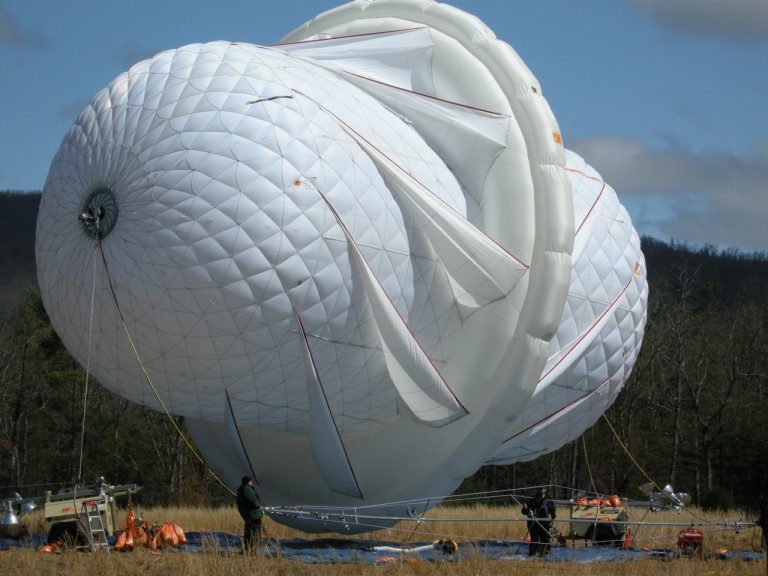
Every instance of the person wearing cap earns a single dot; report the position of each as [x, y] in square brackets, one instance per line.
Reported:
[250, 508]
[539, 511]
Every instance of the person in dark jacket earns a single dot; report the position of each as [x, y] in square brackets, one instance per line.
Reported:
[250, 508]
[539, 512]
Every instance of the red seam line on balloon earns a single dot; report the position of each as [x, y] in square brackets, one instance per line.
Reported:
[581, 338]
[325, 398]
[384, 33]
[349, 236]
[556, 412]
[239, 436]
[610, 308]
[361, 35]
[594, 204]
[595, 178]
[404, 171]
[428, 96]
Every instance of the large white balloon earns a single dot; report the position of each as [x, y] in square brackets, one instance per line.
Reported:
[341, 259]
[595, 348]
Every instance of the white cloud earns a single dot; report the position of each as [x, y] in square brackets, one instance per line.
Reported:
[699, 198]
[131, 53]
[12, 34]
[9, 33]
[730, 18]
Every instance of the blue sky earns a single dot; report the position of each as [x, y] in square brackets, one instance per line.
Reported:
[665, 98]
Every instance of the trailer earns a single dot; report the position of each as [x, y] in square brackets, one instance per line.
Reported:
[599, 522]
[73, 515]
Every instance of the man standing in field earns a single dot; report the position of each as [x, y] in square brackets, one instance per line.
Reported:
[250, 508]
[539, 512]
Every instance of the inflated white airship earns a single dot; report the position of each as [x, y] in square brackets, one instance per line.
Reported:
[342, 259]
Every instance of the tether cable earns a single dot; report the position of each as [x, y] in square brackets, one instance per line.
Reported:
[151, 384]
[629, 455]
[79, 477]
[88, 359]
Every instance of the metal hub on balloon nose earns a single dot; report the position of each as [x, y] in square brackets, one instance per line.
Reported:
[99, 213]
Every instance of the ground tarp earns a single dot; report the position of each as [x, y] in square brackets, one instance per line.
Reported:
[342, 551]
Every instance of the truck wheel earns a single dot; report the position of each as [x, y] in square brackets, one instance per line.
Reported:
[604, 535]
[65, 533]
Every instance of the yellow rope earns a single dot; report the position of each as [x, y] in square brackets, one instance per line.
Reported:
[629, 454]
[167, 413]
[152, 386]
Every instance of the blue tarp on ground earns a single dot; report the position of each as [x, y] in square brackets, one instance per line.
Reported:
[338, 550]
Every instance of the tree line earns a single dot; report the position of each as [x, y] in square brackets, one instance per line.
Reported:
[693, 413]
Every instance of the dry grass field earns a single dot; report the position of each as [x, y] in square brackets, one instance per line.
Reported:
[460, 524]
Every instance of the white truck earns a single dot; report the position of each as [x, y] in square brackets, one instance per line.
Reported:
[65, 510]
[600, 522]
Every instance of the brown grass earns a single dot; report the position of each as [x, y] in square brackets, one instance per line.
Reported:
[443, 522]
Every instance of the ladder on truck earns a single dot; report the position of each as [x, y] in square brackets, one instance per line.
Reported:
[91, 525]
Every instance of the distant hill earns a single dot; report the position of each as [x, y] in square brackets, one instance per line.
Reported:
[18, 219]
[728, 277]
